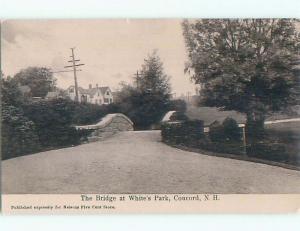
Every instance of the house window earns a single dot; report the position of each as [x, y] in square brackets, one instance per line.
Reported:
[96, 101]
[71, 90]
[110, 100]
[106, 100]
[107, 93]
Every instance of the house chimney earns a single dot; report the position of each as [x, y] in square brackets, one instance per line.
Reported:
[90, 86]
[97, 85]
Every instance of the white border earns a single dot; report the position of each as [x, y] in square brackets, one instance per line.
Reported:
[149, 9]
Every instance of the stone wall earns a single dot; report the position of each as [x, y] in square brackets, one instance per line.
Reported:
[108, 126]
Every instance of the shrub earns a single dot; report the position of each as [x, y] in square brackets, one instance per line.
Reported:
[19, 134]
[177, 105]
[85, 113]
[53, 120]
[216, 132]
[268, 151]
[228, 131]
[184, 132]
[232, 132]
[178, 116]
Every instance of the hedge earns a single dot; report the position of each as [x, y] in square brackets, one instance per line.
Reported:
[182, 132]
[46, 124]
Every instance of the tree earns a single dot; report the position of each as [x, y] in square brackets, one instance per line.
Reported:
[147, 101]
[245, 65]
[19, 134]
[10, 93]
[152, 78]
[39, 79]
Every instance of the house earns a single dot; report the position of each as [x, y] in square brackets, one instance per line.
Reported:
[94, 95]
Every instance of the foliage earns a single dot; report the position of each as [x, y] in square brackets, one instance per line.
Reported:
[146, 103]
[216, 132]
[85, 113]
[177, 105]
[53, 120]
[10, 94]
[178, 116]
[19, 135]
[231, 130]
[228, 131]
[184, 132]
[39, 79]
[152, 79]
[247, 65]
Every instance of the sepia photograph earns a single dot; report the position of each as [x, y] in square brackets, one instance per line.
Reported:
[150, 106]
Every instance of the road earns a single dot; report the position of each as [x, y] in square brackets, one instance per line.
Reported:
[138, 162]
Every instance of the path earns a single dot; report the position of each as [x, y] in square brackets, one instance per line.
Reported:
[138, 162]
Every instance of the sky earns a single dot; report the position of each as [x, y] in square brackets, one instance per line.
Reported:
[112, 50]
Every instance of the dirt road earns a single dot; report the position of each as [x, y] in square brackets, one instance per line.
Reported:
[138, 162]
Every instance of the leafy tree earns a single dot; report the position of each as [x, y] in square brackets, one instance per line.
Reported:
[146, 103]
[19, 134]
[53, 121]
[39, 79]
[10, 93]
[247, 65]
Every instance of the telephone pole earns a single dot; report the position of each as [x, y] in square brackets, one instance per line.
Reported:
[74, 65]
[137, 79]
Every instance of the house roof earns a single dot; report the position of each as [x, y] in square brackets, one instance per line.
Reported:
[92, 91]
[104, 89]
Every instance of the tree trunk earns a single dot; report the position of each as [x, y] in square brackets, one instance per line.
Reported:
[255, 129]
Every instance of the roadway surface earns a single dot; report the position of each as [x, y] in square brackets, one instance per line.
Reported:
[138, 162]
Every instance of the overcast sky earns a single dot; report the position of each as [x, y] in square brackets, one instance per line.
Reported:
[112, 50]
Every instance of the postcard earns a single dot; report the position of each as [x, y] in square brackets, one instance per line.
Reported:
[150, 116]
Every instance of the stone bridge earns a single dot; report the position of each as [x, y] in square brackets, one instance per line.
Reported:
[108, 126]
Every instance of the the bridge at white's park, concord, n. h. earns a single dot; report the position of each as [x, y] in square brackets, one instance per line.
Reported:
[138, 162]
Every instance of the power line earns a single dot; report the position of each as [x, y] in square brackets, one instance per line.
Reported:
[74, 65]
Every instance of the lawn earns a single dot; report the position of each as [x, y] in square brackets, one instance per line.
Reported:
[281, 142]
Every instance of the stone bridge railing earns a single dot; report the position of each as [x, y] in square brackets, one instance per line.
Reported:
[108, 126]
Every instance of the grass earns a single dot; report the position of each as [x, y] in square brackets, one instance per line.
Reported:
[210, 114]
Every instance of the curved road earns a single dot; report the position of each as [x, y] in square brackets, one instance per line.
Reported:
[137, 162]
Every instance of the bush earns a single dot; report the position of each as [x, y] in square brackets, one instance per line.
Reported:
[85, 113]
[177, 105]
[184, 132]
[216, 132]
[178, 116]
[268, 151]
[232, 132]
[228, 131]
[53, 120]
[144, 109]
[19, 134]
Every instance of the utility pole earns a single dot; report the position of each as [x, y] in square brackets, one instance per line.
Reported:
[137, 78]
[74, 65]
[188, 96]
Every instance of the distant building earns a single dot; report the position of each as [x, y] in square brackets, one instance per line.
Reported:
[95, 95]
